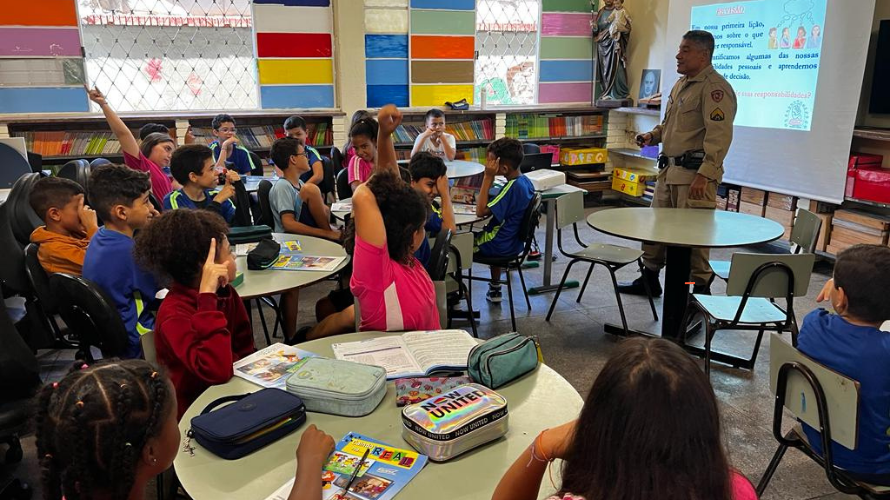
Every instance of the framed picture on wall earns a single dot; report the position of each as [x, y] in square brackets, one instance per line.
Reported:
[650, 83]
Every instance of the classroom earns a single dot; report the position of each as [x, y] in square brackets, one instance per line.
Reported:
[459, 249]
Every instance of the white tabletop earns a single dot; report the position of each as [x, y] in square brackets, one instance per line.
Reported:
[540, 400]
[252, 182]
[271, 281]
[685, 227]
[463, 168]
[460, 219]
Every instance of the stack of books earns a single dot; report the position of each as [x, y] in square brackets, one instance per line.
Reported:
[851, 227]
[262, 136]
[649, 193]
[74, 144]
[531, 126]
[476, 130]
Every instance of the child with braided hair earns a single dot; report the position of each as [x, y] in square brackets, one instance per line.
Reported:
[104, 431]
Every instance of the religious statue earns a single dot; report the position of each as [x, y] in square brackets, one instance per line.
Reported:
[611, 31]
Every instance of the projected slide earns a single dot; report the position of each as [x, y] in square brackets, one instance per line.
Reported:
[769, 50]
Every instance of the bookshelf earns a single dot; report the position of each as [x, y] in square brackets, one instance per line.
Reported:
[473, 130]
[62, 138]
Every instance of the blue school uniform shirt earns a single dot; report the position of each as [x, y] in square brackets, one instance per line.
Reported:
[178, 199]
[240, 157]
[313, 157]
[500, 237]
[109, 264]
[863, 354]
[433, 225]
[285, 198]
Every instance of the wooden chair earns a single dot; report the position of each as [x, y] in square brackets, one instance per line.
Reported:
[803, 236]
[570, 211]
[823, 399]
[754, 280]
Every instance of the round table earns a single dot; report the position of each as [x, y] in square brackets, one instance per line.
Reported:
[272, 282]
[540, 400]
[680, 230]
[459, 219]
[463, 168]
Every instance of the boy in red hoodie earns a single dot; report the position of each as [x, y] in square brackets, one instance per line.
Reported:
[69, 225]
[202, 326]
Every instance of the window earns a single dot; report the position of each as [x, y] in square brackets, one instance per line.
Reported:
[170, 54]
[507, 44]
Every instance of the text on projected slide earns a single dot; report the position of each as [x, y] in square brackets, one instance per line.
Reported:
[769, 50]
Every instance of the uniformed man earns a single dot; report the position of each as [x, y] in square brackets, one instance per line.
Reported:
[696, 133]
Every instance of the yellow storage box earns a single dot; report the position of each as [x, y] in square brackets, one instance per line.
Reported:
[582, 156]
[632, 175]
[627, 187]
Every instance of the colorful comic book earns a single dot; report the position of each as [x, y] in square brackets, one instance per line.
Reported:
[270, 367]
[384, 473]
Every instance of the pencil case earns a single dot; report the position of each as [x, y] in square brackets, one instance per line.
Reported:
[447, 425]
[338, 387]
[250, 422]
[501, 360]
[249, 234]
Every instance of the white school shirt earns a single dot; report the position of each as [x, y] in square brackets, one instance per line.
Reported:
[440, 150]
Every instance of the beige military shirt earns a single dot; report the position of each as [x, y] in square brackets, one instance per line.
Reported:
[699, 116]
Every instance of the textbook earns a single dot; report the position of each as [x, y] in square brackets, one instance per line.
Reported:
[270, 367]
[385, 471]
[297, 262]
[412, 354]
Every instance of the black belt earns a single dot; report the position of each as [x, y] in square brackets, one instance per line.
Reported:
[689, 161]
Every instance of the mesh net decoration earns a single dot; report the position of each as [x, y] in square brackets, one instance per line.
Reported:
[507, 40]
[172, 55]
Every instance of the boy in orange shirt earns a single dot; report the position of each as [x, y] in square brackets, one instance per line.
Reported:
[69, 225]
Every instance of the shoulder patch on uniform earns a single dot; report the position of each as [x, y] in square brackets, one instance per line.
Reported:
[717, 115]
[717, 95]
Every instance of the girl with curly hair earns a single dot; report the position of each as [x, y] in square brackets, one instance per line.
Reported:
[202, 326]
[104, 431]
[393, 289]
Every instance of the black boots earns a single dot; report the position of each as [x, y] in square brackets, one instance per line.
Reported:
[639, 288]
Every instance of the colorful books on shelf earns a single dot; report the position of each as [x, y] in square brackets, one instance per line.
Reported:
[262, 136]
[74, 144]
[476, 130]
[533, 125]
[384, 471]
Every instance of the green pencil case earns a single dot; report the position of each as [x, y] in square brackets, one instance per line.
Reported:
[338, 387]
[502, 359]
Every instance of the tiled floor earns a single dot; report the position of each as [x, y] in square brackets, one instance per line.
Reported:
[574, 345]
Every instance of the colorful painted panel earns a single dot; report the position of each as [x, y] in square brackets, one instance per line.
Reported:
[438, 95]
[294, 44]
[442, 47]
[551, 93]
[39, 42]
[43, 100]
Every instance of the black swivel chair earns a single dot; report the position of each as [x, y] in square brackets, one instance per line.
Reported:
[337, 159]
[22, 217]
[257, 164]
[19, 380]
[14, 166]
[530, 221]
[530, 148]
[90, 314]
[344, 190]
[266, 218]
[46, 303]
[328, 184]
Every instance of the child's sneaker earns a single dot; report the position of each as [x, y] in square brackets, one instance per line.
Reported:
[493, 295]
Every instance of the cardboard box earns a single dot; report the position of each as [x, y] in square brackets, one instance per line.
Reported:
[751, 208]
[824, 231]
[634, 175]
[755, 196]
[783, 217]
[836, 248]
[582, 156]
[854, 237]
[782, 201]
[628, 187]
[874, 221]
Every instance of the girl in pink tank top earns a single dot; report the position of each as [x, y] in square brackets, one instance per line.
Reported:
[650, 428]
